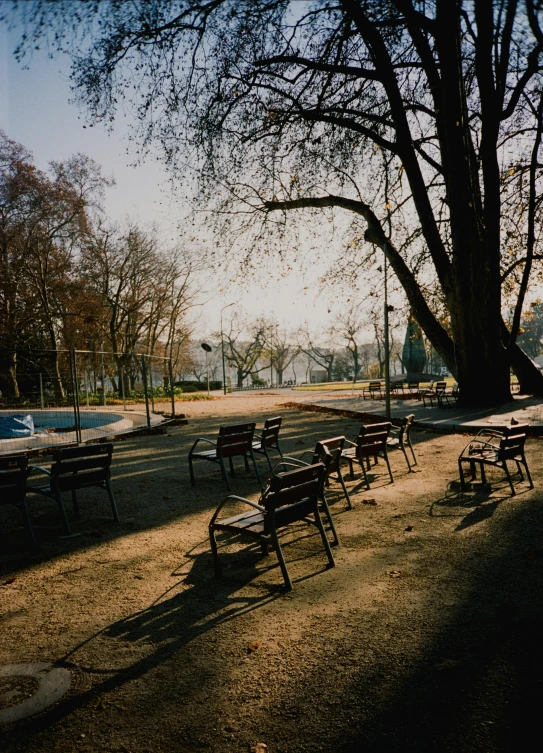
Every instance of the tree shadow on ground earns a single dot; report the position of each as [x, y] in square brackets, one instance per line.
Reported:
[478, 684]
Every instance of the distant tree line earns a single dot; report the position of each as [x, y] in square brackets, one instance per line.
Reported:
[71, 278]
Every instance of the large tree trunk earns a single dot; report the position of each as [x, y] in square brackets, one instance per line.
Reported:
[8, 373]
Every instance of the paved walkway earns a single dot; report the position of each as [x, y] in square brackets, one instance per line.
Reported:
[453, 419]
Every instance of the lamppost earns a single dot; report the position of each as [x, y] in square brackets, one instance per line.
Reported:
[386, 311]
[222, 347]
[207, 348]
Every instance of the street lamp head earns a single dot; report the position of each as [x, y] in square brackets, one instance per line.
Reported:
[207, 347]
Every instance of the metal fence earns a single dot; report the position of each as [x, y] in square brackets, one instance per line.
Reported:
[75, 396]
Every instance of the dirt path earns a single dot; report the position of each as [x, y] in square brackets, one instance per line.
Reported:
[424, 637]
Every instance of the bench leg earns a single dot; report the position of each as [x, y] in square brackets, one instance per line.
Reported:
[191, 472]
[525, 464]
[402, 448]
[330, 519]
[412, 452]
[75, 506]
[461, 473]
[266, 453]
[385, 453]
[214, 551]
[254, 464]
[342, 482]
[506, 469]
[325, 542]
[231, 464]
[225, 475]
[280, 557]
[28, 524]
[112, 500]
[63, 513]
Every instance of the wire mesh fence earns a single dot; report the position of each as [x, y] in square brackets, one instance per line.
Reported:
[51, 397]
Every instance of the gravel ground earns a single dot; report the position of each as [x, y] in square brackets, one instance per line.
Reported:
[426, 636]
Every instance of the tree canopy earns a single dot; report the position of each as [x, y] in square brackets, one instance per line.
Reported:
[421, 119]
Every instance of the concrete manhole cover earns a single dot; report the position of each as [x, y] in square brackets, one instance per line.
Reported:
[28, 689]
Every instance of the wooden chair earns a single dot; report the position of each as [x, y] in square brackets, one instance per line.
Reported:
[268, 439]
[448, 399]
[431, 394]
[370, 443]
[233, 441]
[76, 468]
[13, 475]
[481, 452]
[328, 452]
[413, 389]
[373, 389]
[288, 498]
[403, 440]
[398, 386]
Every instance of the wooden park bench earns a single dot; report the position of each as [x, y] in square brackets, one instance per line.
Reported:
[507, 447]
[370, 443]
[75, 468]
[403, 439]
[233, 441]
[13, 475]
[289, 497]
[268, 438]
[372, 389]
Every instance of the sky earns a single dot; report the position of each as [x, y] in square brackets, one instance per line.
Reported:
[35, 111]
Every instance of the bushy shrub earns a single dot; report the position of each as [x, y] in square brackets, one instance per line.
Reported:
[187, 386]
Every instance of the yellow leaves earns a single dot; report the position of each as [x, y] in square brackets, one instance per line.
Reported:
[251, 648]
[388, 206]
[512, 171]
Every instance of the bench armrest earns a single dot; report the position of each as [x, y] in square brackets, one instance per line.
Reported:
[32, 468]
[202, 439]
[237, 499]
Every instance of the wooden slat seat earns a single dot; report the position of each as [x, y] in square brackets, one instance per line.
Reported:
[233, 441]
[75, 468]
[289, 497]
[373, 390]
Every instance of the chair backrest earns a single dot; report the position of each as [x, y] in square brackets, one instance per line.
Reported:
[293, 495]
[13, 474]
[375, 385]
[405, 427]
[413, 385]
[332, 447]
[235, 440]
[372, 439]
[515, 429]
[270, 432]
[440, 386]
[511, 446]
[77, 467]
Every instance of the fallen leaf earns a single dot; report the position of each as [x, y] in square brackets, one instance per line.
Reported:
[259, 748]
[253, 647]
[448, 664]
[9, 581]
[395, 573]
[409, 528]
[103, 703]
[138, 577]
[369, 502]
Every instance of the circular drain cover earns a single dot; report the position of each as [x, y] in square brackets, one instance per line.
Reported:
[28, 689]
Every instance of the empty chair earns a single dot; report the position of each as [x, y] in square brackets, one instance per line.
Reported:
[372, 391]
[403, 439]
[76, 468]
[289, 497]
[268, 438]
[435, 391]
[233, 441]
[13, 475]
[482, 453]
[370, 443]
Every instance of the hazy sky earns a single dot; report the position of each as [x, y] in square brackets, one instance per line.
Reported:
[35, 111]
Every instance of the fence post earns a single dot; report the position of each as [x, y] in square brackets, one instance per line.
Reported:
[152, 388]
[171, 386]
[75, 391]
[121, 374]
[144, 374]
